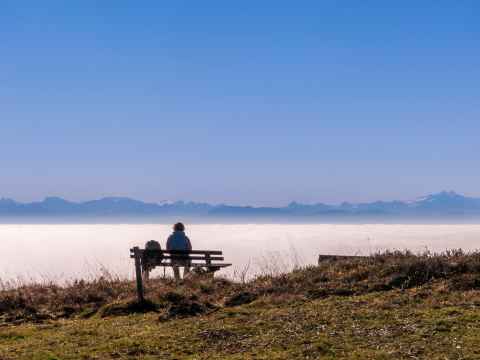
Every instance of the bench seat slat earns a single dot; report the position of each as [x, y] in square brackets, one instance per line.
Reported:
[218, 258]
[197, 265]
[179, 252]
[195, 252]
[212, 258]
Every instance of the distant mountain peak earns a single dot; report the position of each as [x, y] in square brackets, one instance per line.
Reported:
[293, 204]
[55, 199]
[449, 193]
[117, 199]
[4, 200]
[443, 195]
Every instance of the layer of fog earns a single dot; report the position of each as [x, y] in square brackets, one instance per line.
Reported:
[65, 252]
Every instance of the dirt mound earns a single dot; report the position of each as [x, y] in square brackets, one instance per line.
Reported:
[241, 299]
[186, 308]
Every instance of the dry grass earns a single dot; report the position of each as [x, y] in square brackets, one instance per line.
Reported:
[345, 277]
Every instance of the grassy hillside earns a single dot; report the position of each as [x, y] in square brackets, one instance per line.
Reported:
[389, 306]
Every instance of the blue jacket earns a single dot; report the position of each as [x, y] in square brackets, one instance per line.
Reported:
[178, 241]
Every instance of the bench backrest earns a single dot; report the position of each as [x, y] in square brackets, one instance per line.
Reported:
[156, 256]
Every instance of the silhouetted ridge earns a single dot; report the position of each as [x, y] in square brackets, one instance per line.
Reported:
[445, 203]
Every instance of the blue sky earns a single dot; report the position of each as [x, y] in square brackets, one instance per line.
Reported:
[258, 102]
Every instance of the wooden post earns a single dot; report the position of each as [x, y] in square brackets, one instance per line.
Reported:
[138, 274]
[208, 261]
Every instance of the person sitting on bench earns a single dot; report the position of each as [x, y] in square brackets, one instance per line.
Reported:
[179, 241]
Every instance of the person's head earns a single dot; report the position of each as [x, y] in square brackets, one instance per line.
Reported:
[179, 227]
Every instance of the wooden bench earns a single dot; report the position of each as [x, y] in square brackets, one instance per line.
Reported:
[147, 259]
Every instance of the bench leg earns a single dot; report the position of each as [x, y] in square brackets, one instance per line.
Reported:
[210, 273]
[186, 271]
[138, 275]
[176, 273]
[146, 275]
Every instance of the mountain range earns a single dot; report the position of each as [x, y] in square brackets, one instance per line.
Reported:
[446, 204]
